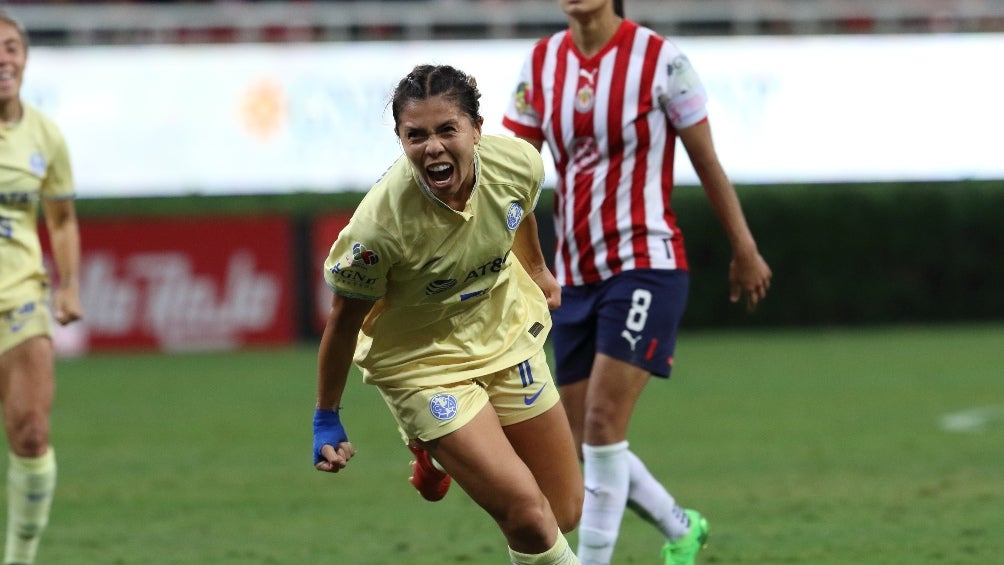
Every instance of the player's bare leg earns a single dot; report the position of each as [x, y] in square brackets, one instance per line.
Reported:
[27, 387]
[615, 478]
[481, 460]
[545, 445]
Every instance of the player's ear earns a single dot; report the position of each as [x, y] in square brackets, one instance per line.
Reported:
[477, 129]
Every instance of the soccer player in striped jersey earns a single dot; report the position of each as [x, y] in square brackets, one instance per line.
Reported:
[34, 166]
[610, 98]
[442, 297]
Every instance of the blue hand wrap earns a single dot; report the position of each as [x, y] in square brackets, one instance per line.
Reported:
[328, 430]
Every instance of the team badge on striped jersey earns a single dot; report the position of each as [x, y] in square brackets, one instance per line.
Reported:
[523, 98]
[584, 99]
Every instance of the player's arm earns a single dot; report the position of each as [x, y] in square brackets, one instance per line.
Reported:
[749, 274]
[526, 246]
[64, 236]
[332, 449]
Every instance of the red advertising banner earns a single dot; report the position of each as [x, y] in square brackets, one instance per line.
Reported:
[323, 233]
[180, 284]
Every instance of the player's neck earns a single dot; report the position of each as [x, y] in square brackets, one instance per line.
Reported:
[11, 111]
[592, 34]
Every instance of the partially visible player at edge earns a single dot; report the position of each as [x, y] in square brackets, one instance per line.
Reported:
[609, 98]
[34, 166]
[441, 297]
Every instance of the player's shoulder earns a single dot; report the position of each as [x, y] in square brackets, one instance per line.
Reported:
[33, 117]
[504, 143]
[556, 37]
[548, 45]
[509, 160]
[664, 43]
[388, 204]
[495, 148]
[392, 184]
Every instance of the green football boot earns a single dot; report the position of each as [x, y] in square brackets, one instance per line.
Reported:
[684, 550]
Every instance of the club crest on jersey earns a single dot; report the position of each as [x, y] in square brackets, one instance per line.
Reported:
[37, 163]
[361, 257]
[443, 406]
[584, 98]
[514, 215]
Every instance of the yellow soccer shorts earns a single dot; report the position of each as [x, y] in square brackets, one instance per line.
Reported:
[26, 321]
[517, 394]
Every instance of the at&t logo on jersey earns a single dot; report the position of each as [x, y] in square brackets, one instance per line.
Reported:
[440, 285]
[514, 215]
[443, 406]
[361, 257]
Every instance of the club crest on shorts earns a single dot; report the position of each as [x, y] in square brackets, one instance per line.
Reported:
[443, 406]
[514, 215]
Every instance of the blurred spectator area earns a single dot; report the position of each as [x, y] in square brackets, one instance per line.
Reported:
[97, 23]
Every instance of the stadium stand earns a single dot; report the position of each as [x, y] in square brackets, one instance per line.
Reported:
[99, 23]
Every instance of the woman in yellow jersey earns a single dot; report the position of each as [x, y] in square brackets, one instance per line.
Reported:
[442, 297]
[34, 166]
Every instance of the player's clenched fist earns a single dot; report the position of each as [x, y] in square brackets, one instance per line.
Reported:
[332, 449]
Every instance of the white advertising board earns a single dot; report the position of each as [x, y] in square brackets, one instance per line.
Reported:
[164, 120]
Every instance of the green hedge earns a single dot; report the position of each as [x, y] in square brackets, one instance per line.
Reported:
[841, 254]
[853, 254]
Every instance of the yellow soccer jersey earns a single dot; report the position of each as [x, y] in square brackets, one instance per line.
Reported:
[453, 302]
[34, 164]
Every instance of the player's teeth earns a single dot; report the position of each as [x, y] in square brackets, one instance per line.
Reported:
[438, 168]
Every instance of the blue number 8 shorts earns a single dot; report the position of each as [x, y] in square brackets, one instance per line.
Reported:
[632, 316]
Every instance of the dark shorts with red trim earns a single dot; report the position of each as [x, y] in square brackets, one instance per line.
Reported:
[632, 316]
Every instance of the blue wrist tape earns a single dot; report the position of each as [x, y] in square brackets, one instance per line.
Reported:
[328, 430]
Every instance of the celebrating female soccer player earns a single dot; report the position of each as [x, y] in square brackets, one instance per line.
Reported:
[34, 165]
[609, 98]
[441, 270]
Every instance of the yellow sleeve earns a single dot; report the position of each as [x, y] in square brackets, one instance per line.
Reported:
[58, 181]
[359, 260]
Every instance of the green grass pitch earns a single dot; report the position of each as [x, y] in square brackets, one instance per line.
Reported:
[800, 446]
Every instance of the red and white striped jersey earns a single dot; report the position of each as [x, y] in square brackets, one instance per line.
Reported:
[610, 122]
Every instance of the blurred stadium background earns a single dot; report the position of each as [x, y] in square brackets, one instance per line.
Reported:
[220, 146]
[863, 136]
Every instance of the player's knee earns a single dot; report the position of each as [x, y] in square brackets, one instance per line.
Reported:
[30, 435]
[601, 425]
[528, 524]
[569, 512]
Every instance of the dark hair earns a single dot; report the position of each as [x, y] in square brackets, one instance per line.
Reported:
[426, 81]
[7, 18]
[619, 7]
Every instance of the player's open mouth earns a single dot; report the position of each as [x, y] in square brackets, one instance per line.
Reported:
[439, 173]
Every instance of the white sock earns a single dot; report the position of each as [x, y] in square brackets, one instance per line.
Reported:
[30, 484]
[653, 503]
[606, 474]
[559, 554]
